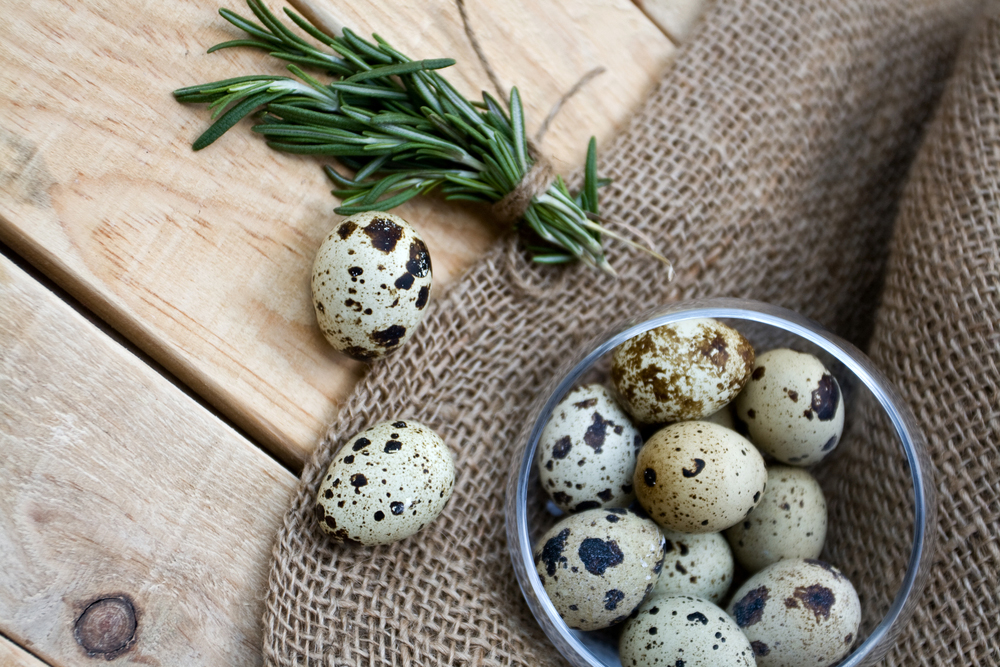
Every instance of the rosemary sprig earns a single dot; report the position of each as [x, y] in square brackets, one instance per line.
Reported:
[400, 127]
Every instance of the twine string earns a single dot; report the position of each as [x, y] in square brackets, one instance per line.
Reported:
[541, 173]
[557, 107]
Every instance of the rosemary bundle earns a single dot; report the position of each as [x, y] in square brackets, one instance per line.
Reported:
[402, 130]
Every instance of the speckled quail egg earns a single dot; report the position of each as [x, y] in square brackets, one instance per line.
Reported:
[598, 566]
[386, 483]
[685, 631]
[684, 370]
[798, 612]
[370, 282]
[586, 453]
[698, 477]
[792, 407]
[697, 565]
[789, 522]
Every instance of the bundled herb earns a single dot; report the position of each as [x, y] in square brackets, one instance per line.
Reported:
[402, 130]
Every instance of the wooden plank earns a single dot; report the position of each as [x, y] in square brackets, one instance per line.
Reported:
[121, 500]
[203, 260]
[12, 655]
[675, 18]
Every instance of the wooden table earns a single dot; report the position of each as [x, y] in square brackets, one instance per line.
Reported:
[161, 377]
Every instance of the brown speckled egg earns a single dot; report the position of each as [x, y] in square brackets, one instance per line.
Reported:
[698, 477]
[684, 370]
[798, 612]
[370, 282]
[789, 522]
[386, 483]
[697, 565]
[598, 566]
[684, 631]
[792, 407]
[586, 454]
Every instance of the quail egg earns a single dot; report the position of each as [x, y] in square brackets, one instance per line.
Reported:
[586, 454]
[789, 522]
[683, 630]
[598, 566]
[798, 612]
[698, 477]
[370, 282]
[792, 407]
[697, 565]
[386, 483]
[680, 371]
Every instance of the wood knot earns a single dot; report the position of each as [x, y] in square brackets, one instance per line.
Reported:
[106, 628]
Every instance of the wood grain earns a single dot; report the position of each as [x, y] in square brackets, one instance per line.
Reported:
[12, 655]
[115, 485]
[203, 260]
[676, 18]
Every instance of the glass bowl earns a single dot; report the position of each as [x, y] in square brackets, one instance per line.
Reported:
[878, 481]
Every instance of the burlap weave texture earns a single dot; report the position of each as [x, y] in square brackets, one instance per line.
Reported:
[769, 162]
[937, 336]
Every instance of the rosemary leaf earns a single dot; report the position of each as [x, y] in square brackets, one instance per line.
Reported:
[241, 42]
[475, 134]
[424, 92]
[465, 197]
[470, 184]
[248, 27]
[383, 186]
[543, 258]
[329, 63]
[321, 134]
[276, 27]
[183, 94]
[335, 176]
[349, 55]
[309, 28]
[233, 116]
[307, 117]
[365, 47]
[589, 194]
[383, 205]
[431, 140]
[400, 127]
[368, 91]
[400, 68]
[496, 113]
[334, 150]
[517, 123]
[448, 92]
[388, 50]
[371, 168]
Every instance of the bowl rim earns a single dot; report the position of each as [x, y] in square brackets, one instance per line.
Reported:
[566, 640]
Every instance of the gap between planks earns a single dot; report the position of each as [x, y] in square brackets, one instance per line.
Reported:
[12, 655]
[200, 261]
[43, 280]
[115, 484]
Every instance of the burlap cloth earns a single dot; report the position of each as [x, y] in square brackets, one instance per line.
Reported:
[771, 163]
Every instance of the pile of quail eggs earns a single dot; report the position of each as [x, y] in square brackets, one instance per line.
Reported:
[654, 530]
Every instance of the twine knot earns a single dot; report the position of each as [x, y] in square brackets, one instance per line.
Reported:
[540, 176]
[535, 181]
